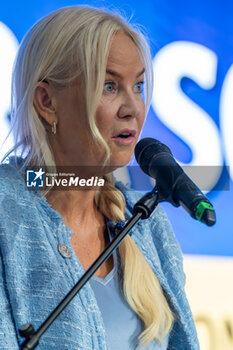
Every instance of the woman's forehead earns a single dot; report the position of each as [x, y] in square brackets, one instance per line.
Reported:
[124, 53]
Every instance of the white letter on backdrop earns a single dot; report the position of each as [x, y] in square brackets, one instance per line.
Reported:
[9, 46]
[179, 113]
[226, 118]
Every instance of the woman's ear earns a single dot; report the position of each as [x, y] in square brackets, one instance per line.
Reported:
[45, 102]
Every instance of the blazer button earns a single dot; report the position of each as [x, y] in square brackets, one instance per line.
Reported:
[64, 250]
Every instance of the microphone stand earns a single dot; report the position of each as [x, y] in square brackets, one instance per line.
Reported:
[142, 210]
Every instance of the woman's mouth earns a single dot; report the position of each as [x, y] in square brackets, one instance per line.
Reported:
[125, 137]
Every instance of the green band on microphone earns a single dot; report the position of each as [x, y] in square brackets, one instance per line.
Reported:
[201, 208]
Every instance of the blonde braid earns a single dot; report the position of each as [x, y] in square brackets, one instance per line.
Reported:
[141, 286]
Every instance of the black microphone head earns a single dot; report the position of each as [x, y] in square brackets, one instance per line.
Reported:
[148, 148]
[172, 184]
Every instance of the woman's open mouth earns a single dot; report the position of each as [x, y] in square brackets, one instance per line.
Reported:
[125, 137]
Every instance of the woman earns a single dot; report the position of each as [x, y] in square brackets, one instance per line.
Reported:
[77, 101]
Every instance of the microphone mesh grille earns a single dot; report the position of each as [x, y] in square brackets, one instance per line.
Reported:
[146, 149]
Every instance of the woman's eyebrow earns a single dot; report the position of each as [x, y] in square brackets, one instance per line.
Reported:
[112, 72]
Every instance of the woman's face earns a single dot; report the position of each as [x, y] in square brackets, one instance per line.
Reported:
[119, 116]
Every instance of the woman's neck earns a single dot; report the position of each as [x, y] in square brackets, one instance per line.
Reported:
[77, 208]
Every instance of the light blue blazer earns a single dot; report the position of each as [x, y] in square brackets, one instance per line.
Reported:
[35, 276]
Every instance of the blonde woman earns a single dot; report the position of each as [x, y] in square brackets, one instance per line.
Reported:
[77, 101]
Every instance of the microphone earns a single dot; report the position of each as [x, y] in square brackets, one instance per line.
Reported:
[173, 185]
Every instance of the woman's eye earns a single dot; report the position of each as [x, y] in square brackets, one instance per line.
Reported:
[109, 86]
[139, 87]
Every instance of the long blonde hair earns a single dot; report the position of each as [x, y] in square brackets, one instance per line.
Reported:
[59, 48]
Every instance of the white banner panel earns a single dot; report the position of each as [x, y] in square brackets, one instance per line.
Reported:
[209, 289]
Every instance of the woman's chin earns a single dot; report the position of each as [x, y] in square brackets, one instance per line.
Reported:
[120, 162]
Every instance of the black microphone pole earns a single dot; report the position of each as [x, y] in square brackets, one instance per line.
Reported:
[142, 210]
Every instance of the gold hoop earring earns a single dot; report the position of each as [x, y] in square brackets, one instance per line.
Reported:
[54, 128]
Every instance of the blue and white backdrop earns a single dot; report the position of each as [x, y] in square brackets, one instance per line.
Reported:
[191, 112]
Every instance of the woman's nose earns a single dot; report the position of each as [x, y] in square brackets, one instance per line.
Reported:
[131, 106]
